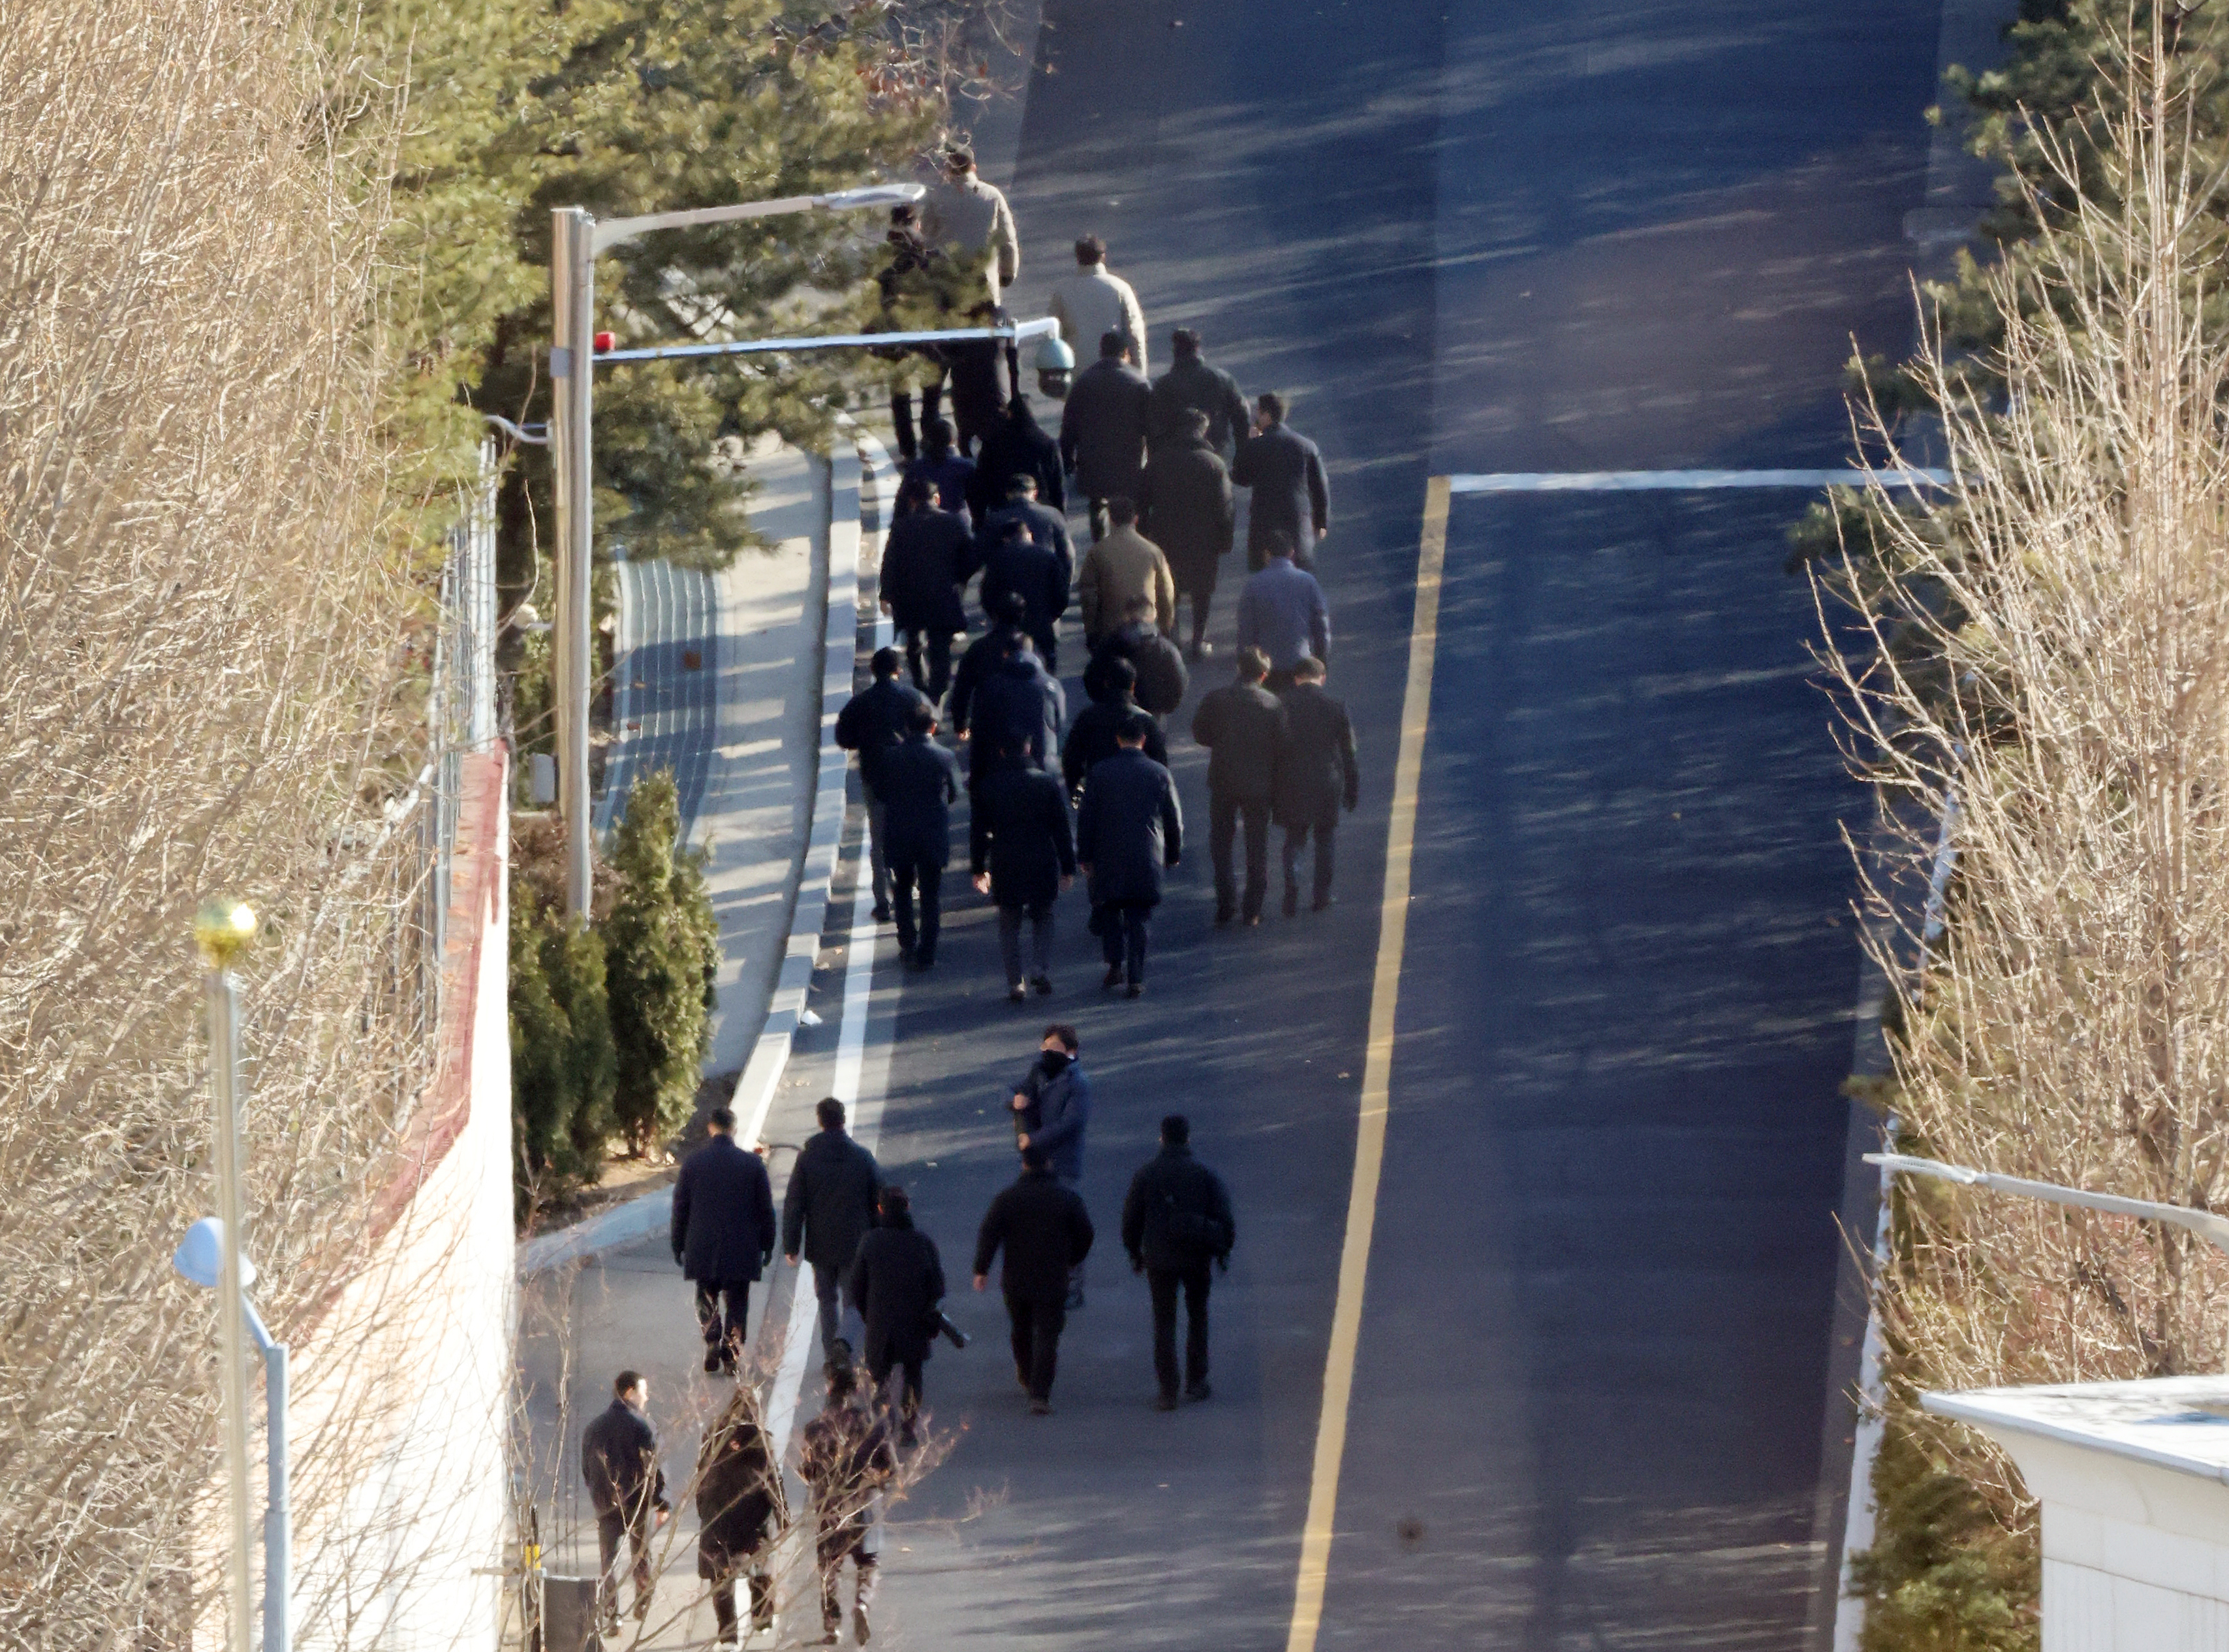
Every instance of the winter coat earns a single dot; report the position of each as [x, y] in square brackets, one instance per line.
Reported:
[1178, 1213]
[1044, 1231]
[1162, 674]
[952, 475]
[724, 1225]
[1281, 611]
[1316, 768]
[873, 720]
[1124, 568]
[1190, 382]
[1091, 738]
[1056, 1114]
[920, 782]
[974, 216]
[843, 1454]
[1290, 491]
[1092, 302]
[896, 1283]
[1129, 828]
[1188, 509]
[925, 561]
[739, 1498]
[1243, 726]
[1032, 571]
[830, 1201]
[976, 661]
[1020, 832]
[1048, 528]
[1102, 431]
[1017, 445]
[618, 1459]
[1018, 701]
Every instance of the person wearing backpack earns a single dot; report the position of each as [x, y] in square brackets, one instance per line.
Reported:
[1176, 1222]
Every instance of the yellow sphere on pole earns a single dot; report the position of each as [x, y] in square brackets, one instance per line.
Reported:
[222, 929]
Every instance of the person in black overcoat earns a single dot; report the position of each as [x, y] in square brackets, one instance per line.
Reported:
[1018, 709]
[1045, 1232]
[1192, 386]
[1034, 572]
[896, 1285]
[983, 654]
[1157, 665]
[1017, 446]
[1091, 736]
[1187, 510]
[1316, 774]
[871, 723]
[829, 1204]
[1129, 830]
[925, 563]
[1102, 429]
[741, 1508]
[723, 1235]
[1021, 852]
[1291, 494]
[1176, 1221]
[1243, 726]
[921, 781]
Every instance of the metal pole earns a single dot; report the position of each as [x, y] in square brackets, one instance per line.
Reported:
[572, 293]
[277, 1524]
[232, 1340]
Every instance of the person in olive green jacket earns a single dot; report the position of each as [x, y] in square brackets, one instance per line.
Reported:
[1119, 570]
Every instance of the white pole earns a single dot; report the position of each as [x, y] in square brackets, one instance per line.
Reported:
[232, 1341]
[572, 367]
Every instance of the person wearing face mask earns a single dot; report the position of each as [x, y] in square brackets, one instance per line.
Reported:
[1052, 1110]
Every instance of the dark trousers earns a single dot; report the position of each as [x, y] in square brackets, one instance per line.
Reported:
[878, 817]
[909, 1383]
[935, 642]
[835, 1545]
[1324, 828]
[1010, 941]
[828, 1290]
[1166, 1282]
[1046, 637]
[1123, 935]
[1222, 816]
[932, 401]
[723, 1598]
[730, 1327]
[1036, 1328]
[910, 871]
[612, 1530]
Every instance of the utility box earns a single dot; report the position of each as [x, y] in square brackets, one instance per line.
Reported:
[2134, 1480]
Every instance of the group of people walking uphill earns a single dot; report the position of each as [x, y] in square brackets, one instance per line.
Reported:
[1152, 466]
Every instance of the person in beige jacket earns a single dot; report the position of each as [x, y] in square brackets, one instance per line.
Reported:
[971, 220]
[1124, 568]
[1092, 303]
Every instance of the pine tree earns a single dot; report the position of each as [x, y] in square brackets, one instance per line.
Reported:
[564, 1065]
[660, 945]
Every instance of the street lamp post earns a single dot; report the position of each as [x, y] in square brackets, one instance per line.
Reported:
[222, 928]
[200, 1258]
[575, 241]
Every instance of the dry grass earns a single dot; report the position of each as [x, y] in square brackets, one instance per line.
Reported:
[202, 686]
[2072, 1023]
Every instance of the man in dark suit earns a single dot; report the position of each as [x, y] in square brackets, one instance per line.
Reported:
[1192, 386]
[1021, 851]
[618, 1459]
[723, 1236]
[1189, 514]
[1018, 709]
[1315, 773]
[1128, 833]
[1017, 446]
[920, 782]
[1243, 726]
[829, 1204]
[1112, 683]
[1103, 430]
[1175, 1222]
[1047, 526]
[1045, 1231]
[983, 656]
[1286, 473]
[872, 723]
[1017, 563]
[926, 561]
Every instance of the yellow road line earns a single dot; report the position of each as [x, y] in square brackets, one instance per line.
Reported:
[1377, 1071]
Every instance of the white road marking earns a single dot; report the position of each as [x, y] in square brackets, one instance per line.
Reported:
[1682, 481]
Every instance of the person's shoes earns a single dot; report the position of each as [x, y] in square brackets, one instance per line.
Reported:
[1198, 1390]
[1137, 990]
[860, 1631]
[1113, 978]
[711, 1359]
[1043, 984]
[1165, 1402]
[1322, 903]
[924, 960]
[1222, 916]
[881, 913]
[1018, 993]
[1254, 921]
[1292, 903]
[1040, 1408]
[729, 1360]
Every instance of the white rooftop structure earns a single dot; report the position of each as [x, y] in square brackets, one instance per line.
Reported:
[2134, 1480]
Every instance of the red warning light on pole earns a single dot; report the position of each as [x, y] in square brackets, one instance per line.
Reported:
[603, 344]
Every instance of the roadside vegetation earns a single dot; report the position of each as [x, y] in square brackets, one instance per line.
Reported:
[2042, 654]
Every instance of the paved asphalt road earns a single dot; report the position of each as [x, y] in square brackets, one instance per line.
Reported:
[1466, 236]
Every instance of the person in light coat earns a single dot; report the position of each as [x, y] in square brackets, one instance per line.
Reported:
[1094, 301]
[1124, 566]
[967, 216]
